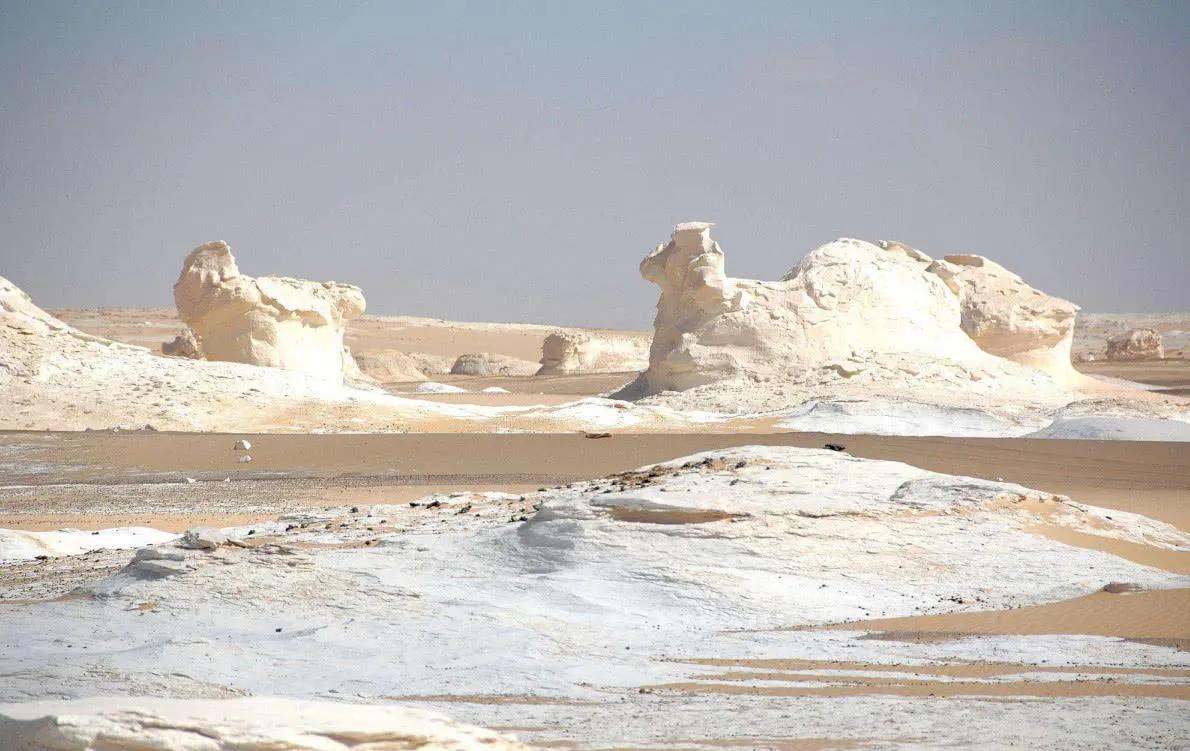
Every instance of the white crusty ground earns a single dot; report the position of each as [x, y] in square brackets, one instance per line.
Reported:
[22, 545]
[612, 585]
[247, 724]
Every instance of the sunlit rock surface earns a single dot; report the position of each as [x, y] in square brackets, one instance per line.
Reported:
[849, 307]
[1135, 344]
[271, 321]
[1008, 318]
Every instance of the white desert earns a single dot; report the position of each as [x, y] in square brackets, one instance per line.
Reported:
[683, 546]
[485, 437]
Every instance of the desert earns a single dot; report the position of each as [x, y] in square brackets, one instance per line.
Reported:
[564, 560]
[677, 377]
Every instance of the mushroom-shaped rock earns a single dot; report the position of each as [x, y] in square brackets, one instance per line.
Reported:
[270, 321]
[1135, 344]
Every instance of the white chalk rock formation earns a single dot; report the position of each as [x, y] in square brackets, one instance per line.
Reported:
[491, 364]
[581, 352]
[853, 312]
[276, 724]
[53, 376]
[1008, 318]
[1135, 344]
[271, 321]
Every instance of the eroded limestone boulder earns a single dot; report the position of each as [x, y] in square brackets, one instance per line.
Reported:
[583, 352]
[1135, 344]
[270, 321]
[491, 364]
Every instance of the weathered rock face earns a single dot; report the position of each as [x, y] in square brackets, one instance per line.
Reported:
[695, 291]
[183, 345]
[271, 321]
[848, 308]
[1136, 344]
[1008, 318]
[580, 352]
[490, 364]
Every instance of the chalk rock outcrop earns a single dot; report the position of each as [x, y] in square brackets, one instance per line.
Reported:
[1135, 344]
[581, 352]
[271, 321]
[234, 725]
[850, 311]
[1008, 318]
[491, 364]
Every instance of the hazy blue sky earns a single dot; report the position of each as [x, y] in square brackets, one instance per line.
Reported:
[515, 160]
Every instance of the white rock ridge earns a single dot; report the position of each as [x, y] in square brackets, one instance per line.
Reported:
[271, 321]
[883, 315]
[141, 723]
[582, 352]
[1135, 344]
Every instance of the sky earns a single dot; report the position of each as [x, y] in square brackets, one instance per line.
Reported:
[514, 161]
